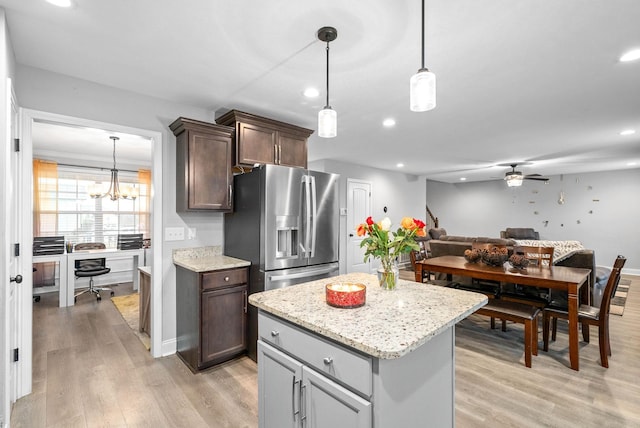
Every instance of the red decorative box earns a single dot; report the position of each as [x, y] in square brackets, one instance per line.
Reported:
[346, 294]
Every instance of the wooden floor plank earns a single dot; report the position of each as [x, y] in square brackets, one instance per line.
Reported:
[91, 370]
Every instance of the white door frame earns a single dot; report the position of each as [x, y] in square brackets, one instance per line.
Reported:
[27, 118]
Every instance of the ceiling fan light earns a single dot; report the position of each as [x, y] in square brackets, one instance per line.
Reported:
[514, 180]
[422, 91]
[327, 123]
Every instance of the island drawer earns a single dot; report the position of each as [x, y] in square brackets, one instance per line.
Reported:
[344, 365]
[224, 278]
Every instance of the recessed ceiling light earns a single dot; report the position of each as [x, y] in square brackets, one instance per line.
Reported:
[628, 132]
[400, 165]
[630, 56]
[60, 3]
[631, 164]
[311, 92]
[463, 178]
[389, 122]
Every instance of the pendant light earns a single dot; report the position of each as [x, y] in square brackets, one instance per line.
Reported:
[422, 86]
[327, 117]
[114, 192]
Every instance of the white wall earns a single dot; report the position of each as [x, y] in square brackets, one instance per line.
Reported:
[402, 194]
[55, 93]
[601, 210]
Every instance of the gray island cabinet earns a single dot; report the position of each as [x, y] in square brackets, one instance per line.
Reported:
[389, 363]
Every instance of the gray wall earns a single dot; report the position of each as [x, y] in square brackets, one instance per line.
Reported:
[402, 194]
[601, 210]
[55, 93]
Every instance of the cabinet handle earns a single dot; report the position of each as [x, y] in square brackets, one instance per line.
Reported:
[293, 398]
[275, 333]
[279, 154]
[327, 361]
[275, 154]
[303, 401]
[244, 300]
[230, 195]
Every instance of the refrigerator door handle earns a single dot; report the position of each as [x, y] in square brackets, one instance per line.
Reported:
[312, 217]
[309, 272]
[307, 219]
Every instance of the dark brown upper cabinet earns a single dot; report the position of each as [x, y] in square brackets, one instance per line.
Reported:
[260, 140]
[204, 176]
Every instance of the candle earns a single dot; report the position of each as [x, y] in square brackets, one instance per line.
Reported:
[345, 294]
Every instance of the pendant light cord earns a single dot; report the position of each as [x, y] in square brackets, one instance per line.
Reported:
[114, 152]
[327, 105]
[422, 34]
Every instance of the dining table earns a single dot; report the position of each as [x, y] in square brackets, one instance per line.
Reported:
[564, 278]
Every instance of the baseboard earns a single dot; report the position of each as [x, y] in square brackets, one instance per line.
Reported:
[634, 272]
[169, 347]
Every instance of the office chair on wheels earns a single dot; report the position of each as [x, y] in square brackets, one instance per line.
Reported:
[89, 268]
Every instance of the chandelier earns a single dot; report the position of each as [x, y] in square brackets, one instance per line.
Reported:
[114, 191]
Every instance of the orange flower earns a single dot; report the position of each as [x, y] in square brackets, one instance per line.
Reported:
[361, 230]
[408, 223]
[421, 232]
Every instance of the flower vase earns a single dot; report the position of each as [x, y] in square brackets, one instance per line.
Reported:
[388, 275]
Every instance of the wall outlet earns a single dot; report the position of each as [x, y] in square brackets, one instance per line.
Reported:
[191, 233]
[174, 233]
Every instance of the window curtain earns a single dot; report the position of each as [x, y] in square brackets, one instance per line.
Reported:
[45, 198]
[45, 217]
[144, 179]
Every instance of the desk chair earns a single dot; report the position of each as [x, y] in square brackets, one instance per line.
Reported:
[88, 268]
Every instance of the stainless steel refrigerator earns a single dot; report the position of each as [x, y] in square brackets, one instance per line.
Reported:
[286, 223]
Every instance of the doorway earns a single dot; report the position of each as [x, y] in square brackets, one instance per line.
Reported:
[358, 209]
[28, 119]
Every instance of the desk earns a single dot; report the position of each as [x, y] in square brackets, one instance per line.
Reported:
[61, 260]
[144, 299]
[69, 286]
[67, 262]
[557, 277]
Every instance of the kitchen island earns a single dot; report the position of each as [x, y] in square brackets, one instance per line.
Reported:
[388, 363]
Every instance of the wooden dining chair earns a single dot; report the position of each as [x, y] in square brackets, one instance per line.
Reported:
[589, 315]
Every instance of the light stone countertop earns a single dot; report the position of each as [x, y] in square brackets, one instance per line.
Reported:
[390, 324]
[205, 259]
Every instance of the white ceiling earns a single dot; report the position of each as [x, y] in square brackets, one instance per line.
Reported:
[518, 80]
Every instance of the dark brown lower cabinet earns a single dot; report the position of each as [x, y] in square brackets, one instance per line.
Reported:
[211, 316]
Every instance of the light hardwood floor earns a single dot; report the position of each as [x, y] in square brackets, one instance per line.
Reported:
[90, 370]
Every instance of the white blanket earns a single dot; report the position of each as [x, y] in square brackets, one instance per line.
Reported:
[561, 249]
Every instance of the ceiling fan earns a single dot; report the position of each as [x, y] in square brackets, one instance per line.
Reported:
[514, 178]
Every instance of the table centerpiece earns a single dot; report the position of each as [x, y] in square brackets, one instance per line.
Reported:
[388, 246]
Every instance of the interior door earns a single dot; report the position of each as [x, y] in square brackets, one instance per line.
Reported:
[358, 209]
[12, 308]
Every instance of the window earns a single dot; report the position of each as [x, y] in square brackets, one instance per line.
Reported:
[67, 209]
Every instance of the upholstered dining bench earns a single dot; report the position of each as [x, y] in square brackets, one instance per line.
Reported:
[519, 313]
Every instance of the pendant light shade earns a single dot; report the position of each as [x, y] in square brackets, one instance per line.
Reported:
[422, 86]
[327, 117]
[327, 122]
[423, 91]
